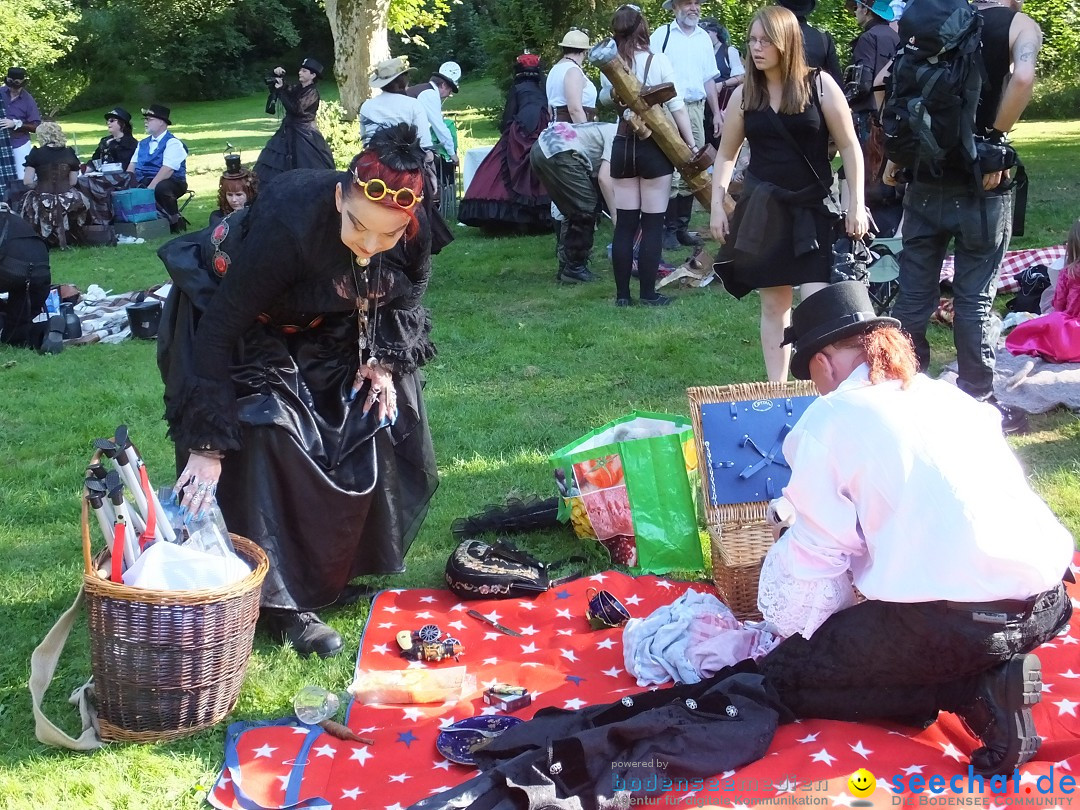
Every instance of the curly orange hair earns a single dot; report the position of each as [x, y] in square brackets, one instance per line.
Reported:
[889, 353]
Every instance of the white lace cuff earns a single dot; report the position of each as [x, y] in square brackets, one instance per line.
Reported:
[799, 605]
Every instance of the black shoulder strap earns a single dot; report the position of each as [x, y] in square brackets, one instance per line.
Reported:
[667, 36]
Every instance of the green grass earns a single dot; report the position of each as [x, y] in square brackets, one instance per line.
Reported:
[524, 366]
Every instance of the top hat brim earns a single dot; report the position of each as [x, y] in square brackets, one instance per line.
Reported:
[168, 123]
[816, 340]
[448, 80]
[800, 8]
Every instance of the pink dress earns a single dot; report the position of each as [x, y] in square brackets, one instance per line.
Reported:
[1056, 335]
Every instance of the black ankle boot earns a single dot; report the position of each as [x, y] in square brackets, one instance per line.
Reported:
[53, 342]
[305, 632]
[574, 273]
[1000, 715]
[684, 207]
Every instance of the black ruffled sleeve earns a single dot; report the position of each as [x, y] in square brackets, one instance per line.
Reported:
[403, 330]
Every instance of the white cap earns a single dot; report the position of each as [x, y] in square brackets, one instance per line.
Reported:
[451, 71]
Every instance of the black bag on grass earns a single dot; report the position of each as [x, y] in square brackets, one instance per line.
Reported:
[500, 570]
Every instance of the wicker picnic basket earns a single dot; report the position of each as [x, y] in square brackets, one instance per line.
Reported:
[167, 664]
[739, 535]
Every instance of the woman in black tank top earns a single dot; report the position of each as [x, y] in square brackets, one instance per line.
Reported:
[781, 233]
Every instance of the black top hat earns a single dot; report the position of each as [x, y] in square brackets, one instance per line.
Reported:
[800, 8]
[233, 167]
[157, 111]
[313, 65]
[120, 114]
[16, 76]
[830, 315]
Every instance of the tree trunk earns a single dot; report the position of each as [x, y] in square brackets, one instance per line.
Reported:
[359, 29]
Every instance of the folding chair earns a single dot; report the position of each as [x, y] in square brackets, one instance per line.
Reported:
[885, 273]
[187, 197]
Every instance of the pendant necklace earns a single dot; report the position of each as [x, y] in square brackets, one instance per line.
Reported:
[367, 307]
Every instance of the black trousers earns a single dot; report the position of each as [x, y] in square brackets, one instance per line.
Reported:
[165, 195]
[904, 662]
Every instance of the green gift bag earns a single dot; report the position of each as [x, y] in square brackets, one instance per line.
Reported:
[632, 484]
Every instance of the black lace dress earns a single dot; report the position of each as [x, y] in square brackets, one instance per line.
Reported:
[297, 144]
[788, 222]
[258, 350]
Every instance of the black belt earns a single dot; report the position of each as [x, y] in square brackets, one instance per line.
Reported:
[1000, 606]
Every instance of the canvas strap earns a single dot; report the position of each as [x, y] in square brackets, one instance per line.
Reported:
[42, 669]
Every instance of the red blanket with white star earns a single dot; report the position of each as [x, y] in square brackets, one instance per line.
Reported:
[564, 663]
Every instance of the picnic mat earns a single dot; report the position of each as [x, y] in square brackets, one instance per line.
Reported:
[1012, 264]
[565, 664]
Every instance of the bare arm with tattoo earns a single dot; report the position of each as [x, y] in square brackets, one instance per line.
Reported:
[1025, 38]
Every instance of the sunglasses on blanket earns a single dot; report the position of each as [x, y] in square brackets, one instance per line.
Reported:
[375, 190]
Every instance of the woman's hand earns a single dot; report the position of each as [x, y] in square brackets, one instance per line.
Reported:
[382, 391]
[197, 485]
[718, 222]
[857, 222]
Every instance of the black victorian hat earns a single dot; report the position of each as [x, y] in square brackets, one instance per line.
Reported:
[120, 114]
[313, 65]
[830, 315]
[157, 111]
[16, 76]
[234, 170]
[800, 8]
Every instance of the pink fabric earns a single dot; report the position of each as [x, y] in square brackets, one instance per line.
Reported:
[1055, 337]
[1067, 291]
[718, 640]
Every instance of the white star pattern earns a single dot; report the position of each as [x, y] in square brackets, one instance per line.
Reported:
[1063, 765]
[565, 632]
[563, 613]
[1069, 640]
[910, 769]
[325, 751]
[1028, 778]
[446, 721]
[458, 607]
[490, 662]
[385, 625]
[532, 663]
[528, 630]
[491, 683]
[842, 798]
[456, 625]
[381, 649]
[439, 789]
[351, 793]
[1066, 706]
[859, 749]
[493, 616]
[809, 738]
[822, 756]
[524, 605]
[442, 766]
[528, 648]
[1070, 674]
[400, 778]
[612, 673]
[606, 644]
[491, 636]
[394, 806]
[390, 609]
[489, 710]
[1046, 687]
[574, 704]
[568, 655]
[265, 751]
[949, 750]
[424, 614]
[284, 780]
[633, 600]
[427, 600]
[300, 730]
[663, 583]
[361, 755]
[598, 577]
[412, 713]
[787, 786]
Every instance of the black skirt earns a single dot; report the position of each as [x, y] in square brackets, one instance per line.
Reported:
[293, 146]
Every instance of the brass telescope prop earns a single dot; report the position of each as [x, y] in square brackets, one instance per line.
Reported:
[647, 116]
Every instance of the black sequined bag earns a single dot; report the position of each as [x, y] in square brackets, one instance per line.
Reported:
[500, 570]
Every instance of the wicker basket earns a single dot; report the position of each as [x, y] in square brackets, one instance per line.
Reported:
[167, 664]
[738, 533]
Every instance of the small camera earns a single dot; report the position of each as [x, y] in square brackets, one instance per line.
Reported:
[270, 80]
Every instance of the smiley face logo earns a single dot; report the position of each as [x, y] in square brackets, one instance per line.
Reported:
[862, 783]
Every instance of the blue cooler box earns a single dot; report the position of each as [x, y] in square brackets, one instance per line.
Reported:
[134, 205]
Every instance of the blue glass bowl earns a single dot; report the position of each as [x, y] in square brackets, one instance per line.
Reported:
[458, 741]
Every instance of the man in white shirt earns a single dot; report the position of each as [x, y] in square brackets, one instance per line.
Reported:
[690, 51]
[904, 488]
[442, 85]
[160, 163]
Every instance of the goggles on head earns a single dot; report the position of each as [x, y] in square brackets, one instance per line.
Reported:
[375, 189]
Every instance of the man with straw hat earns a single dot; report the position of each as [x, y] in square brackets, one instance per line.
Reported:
[393, 105]
[690, 51]
[903, 488]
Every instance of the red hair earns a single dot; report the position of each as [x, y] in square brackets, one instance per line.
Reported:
[248, 183]
[889, 353]
[367, 166]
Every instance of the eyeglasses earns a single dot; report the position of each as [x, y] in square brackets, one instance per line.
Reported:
[764, 42]
[375, 189]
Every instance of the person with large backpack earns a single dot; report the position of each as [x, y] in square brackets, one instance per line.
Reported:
[959, 83]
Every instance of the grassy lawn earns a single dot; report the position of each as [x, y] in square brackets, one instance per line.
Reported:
[524, 366]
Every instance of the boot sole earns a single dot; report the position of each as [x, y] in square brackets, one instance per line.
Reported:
[1024, 688]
